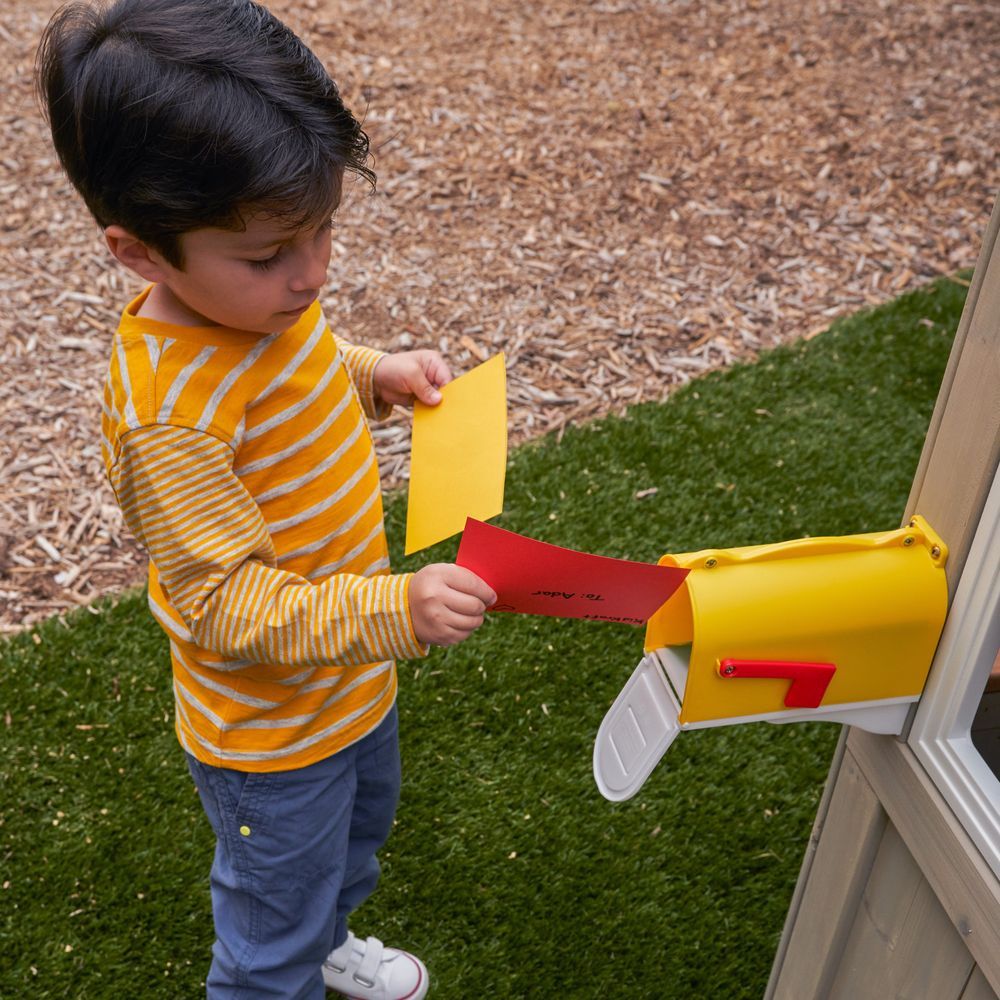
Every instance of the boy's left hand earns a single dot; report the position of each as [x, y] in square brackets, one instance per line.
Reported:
[401, 378]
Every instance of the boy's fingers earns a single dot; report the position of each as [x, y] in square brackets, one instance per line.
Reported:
[433, 373]
[437, 371]
[467, 582]
[424, 391]
[459, 631]
[447, 633]
[460, 603]
[466, 624]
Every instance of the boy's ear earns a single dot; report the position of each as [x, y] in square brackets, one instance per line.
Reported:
[135, 254]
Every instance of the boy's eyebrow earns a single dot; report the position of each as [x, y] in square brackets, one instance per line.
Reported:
[278, 238]
[263, 244]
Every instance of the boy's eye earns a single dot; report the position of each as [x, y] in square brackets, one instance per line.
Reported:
[266, 262]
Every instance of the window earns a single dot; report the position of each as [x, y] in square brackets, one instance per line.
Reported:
[956, 730]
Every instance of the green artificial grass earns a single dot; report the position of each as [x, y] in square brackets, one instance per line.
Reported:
[507, 872]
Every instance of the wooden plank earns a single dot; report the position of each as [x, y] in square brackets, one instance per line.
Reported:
[846, 848]
[978, 987]
[807, 862]
[956, 871]
[887, 953]
[990, 239]
[956, 467]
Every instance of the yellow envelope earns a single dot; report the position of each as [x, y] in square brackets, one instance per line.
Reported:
[458, 460]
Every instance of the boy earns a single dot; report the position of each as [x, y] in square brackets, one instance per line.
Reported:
[210, 145]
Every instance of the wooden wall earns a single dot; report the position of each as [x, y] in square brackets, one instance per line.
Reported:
[898, 901]
[894, 899]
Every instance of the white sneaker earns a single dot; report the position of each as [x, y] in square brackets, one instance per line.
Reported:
[367, 970]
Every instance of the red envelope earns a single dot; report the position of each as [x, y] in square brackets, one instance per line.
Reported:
[535, 578]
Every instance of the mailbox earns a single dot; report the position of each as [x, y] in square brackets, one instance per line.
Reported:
[840, 629]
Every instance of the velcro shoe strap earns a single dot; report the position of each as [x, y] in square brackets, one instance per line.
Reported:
[367, 971]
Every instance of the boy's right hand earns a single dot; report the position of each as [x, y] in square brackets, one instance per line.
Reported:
[447, 603]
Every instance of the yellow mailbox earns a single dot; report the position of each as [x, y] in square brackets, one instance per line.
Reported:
[842, 629]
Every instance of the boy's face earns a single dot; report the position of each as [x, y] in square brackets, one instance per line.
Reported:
[261, 279]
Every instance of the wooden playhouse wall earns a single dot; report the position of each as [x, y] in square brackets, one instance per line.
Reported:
[894, 899]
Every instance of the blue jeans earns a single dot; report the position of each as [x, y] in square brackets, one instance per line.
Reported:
[294, 855]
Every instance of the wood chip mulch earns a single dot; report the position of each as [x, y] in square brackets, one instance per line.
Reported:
[619, 194]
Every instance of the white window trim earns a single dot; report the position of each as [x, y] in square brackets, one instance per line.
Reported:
[940, 735]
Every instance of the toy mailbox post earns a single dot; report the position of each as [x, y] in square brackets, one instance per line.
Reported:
[837, 629]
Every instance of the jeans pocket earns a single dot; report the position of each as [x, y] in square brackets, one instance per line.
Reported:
[281, 831]
[250, 801]
[234, 801]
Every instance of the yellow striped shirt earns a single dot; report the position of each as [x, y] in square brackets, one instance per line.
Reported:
[244, 464]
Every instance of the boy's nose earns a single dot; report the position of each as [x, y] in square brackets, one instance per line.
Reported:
[310, 274]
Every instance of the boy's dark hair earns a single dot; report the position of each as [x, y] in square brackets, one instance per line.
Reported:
[174, 115]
